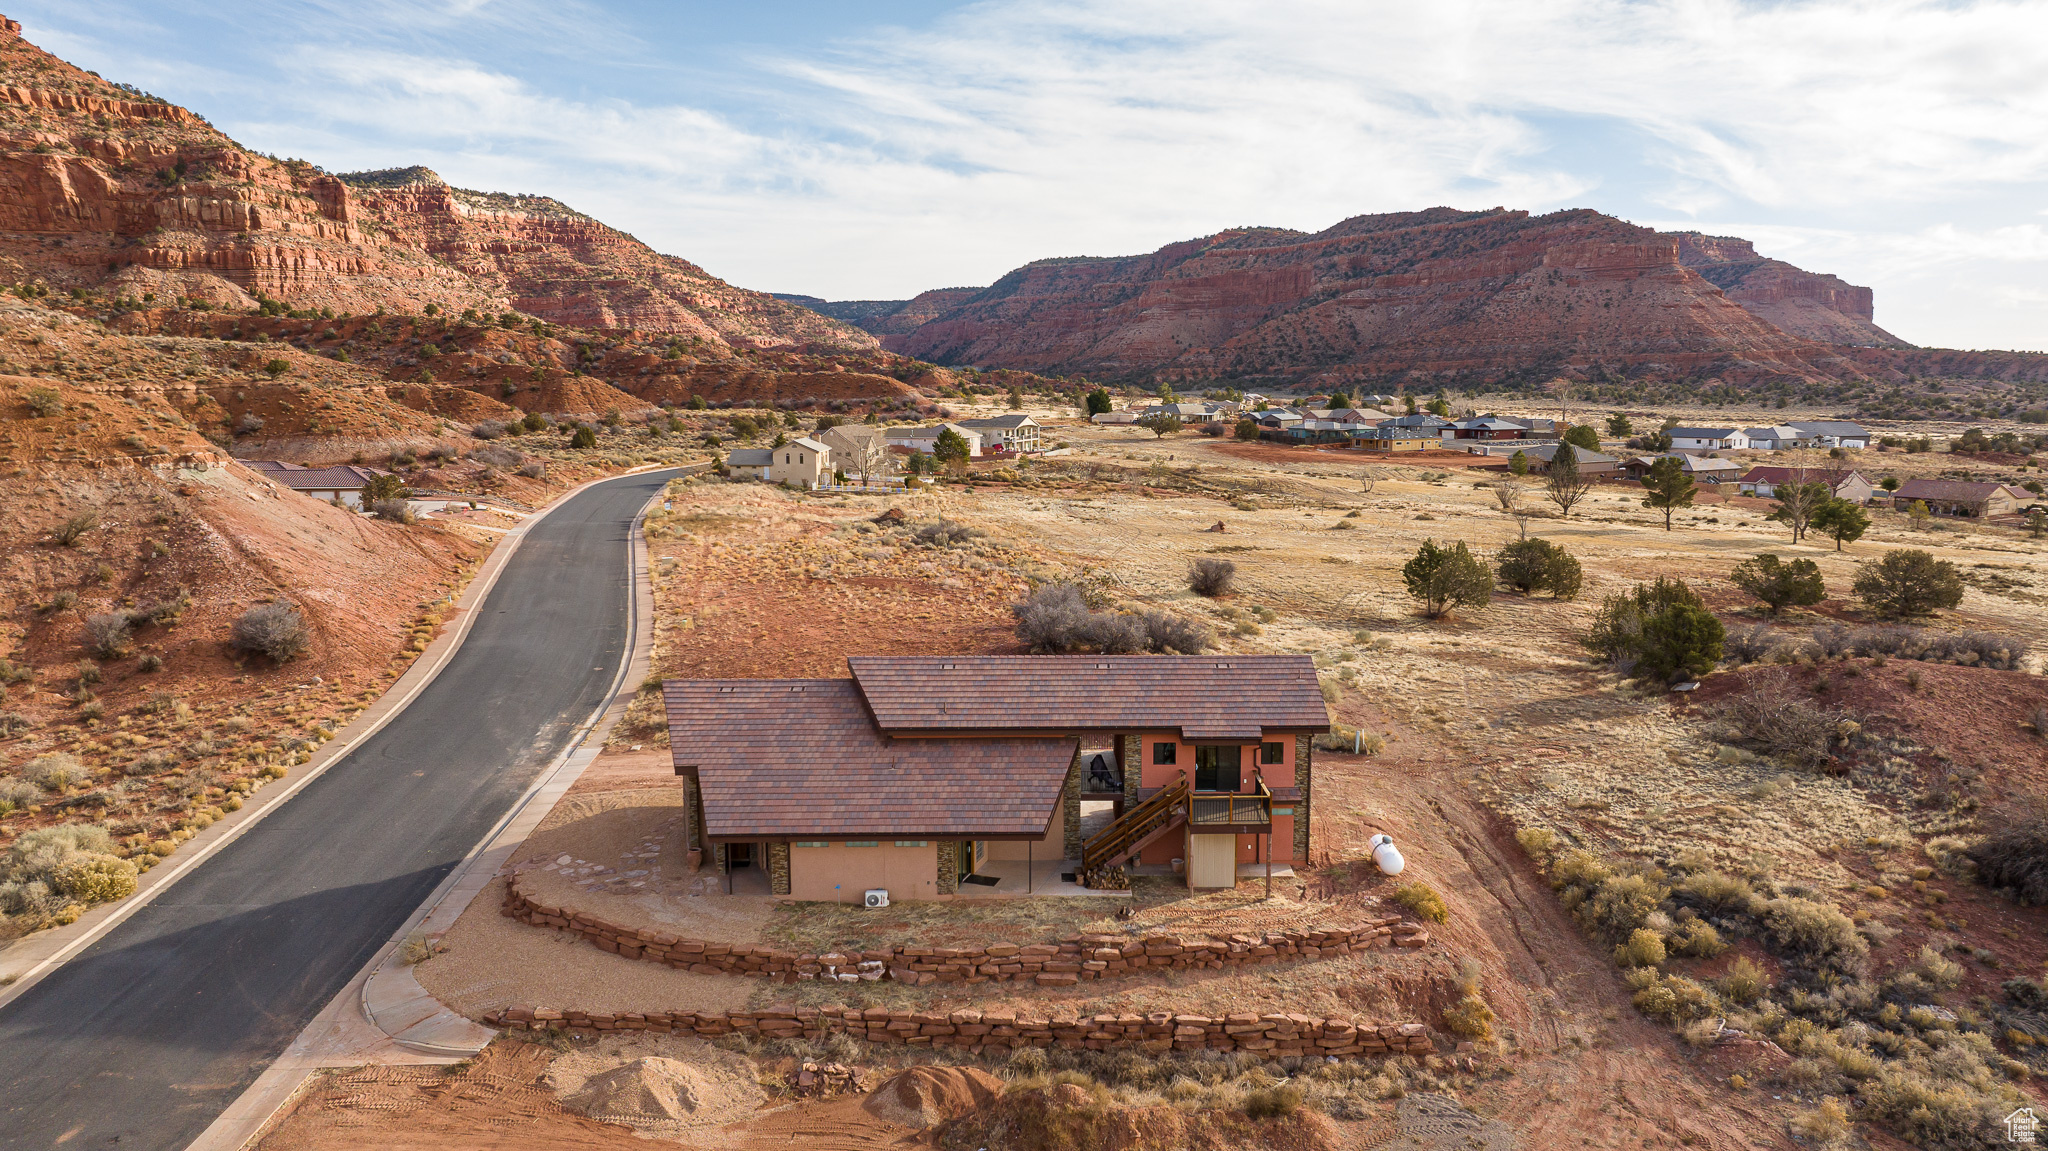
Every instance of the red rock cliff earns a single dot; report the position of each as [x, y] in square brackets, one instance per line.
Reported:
[1440, 291]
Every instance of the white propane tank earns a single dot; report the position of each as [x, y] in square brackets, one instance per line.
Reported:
[1386, 855]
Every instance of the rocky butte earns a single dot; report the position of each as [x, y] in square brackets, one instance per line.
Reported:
[1439, 292]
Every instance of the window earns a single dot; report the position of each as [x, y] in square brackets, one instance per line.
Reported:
[1164, 752]
[1218, 768]
[861, 842]
[1272, 753]
[808, 843]
[910, 843]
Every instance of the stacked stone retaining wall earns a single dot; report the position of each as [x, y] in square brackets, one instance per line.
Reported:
[1072, 960]
[979, 1031]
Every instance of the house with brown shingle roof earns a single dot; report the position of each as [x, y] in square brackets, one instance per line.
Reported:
[919, 773]
[343, 483]
[1959, 497]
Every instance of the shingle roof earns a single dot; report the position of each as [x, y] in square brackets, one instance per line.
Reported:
[1950, 490]
[1009, 421]
[1547, 452]
[802, 758]
[1830, 428]
[1774, 476]
[300, 478]
[1702, 433]
[750, 457]
[1220, 697]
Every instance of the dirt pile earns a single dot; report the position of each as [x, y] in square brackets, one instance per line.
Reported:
[657, 1086]
[928, 1096]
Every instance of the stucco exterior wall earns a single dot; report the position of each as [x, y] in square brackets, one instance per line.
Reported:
[837, 873]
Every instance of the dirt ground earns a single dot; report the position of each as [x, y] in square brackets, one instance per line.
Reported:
[1492, 719]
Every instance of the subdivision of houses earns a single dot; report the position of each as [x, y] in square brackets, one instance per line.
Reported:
[926, 439]
[921, 774]
[1007, 433]
[343, 483]
[1708, 439]
[1960, 497]
[1765, 480]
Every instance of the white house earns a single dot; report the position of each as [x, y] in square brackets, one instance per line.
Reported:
[1708, 439]
[927, 439]
[1834, 433]
[1012, 433]
[1777, 438]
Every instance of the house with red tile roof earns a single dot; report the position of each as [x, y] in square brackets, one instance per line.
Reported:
[920, 773]
[342, 483]
[1765, 481]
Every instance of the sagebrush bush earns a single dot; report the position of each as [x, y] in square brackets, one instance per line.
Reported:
[534, 470]
[1744, 982]
[54, 770]
[107, 635]
[1674, 999]
[1211, 577]
[1621, 904]
[275, 630]
[944, 533]
[497, 457]
[394, 511]
[72, 530]
[1816, 933]
[18, 793]
[1719, 894]
[1643, 948]
[1423, 902]
[1056, 618]
[1696, 938]
[1471, 1018]
[94, 879]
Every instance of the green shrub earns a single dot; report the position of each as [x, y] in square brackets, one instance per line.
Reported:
[1423, 902]
[1471, 1017]
[1621, 904]
[1908, 582]
[1446, 577]
[45, 402]
[1697, 938]
[1779, 584]
[1539, 565]
[72, 530]
[1657, 631]
[1643, 948]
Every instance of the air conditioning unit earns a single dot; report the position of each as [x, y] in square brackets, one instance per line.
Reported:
[878, 897]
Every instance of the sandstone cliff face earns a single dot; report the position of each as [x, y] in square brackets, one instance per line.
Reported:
[101, 188]
[888, 317]
[564, 267]
[1809, 305]
[1440, 291]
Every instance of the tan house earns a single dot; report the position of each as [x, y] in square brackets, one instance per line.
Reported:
[1959, 497]
[802, 463]
[1765, 482]
[859, 450]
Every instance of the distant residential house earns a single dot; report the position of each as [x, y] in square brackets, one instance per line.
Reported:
[1386, 438]
[1777, 438]
[1360, 415]
[802, 462]
[927, 439]
[1708, 439]
[749, 463]
[1704, 469]
[1539, 456]
[1188, 413]
[1434, 423]
[1011, 433]
[1834, 433]
[1125, 418]
[343, 482]
[1485, 428]
[849, 444]
[1765, 482]
[1960, 497]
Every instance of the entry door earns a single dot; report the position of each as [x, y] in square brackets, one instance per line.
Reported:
[741, 854]
[1218, 768]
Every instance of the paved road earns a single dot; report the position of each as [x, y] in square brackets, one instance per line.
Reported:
[144, 1038]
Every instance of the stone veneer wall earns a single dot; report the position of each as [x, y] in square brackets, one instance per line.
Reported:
[1304, 775]
[778, 868]
[949, 866]
[1070, 961]
[978, 1031]
[1070, 801]
[1130, 761]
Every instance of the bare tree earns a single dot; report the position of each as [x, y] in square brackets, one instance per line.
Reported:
[1564, 484]
[1508, 494]
[871, 456]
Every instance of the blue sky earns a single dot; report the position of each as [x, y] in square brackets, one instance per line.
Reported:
[875, 150]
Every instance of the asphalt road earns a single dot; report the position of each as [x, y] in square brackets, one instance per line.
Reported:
[147, 1036]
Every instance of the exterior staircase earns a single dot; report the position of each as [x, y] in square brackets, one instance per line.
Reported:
[1121, 841]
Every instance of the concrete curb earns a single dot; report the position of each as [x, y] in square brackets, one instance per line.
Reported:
[384, 1015]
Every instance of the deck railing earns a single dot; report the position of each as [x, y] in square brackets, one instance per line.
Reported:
[1116, 840]
[1241, 809]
